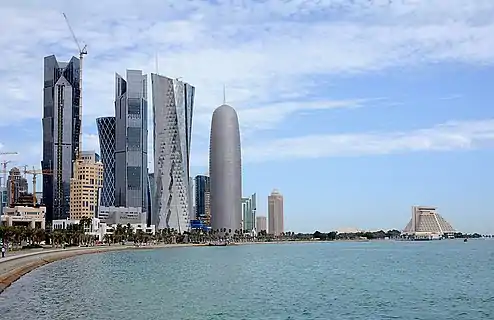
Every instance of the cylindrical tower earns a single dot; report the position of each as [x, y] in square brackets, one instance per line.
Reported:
[225, 170]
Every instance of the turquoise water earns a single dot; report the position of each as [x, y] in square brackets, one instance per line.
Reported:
[373, 280]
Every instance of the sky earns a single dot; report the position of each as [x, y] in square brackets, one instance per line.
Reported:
[354, 109]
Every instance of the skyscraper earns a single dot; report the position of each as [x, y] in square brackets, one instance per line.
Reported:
[16, 186]
[61, 129]
[275, 213]
[261, 224]
[106, 133]
[202, 187]
[249, 207]
[173, 103]
[131, 134]
[225, 170]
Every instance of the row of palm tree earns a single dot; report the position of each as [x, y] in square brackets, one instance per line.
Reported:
[78, 234]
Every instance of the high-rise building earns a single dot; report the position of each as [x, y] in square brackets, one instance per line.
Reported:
[275, 213]
[3, 199]
[261, 224]
[131, 135]
[207, 203]
[106, 133]
[61, 133]
[173, 103]
[202, 187]
[16, 186]
[225, 170]
[151, 192]
[86, 186]
[192, 209]
[249, 207]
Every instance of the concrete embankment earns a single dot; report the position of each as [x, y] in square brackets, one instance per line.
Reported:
[14, 267]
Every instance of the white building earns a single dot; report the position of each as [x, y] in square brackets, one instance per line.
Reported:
[172, 116]
[426, 222]
[122, 215]
[100, 229]
[33, 217]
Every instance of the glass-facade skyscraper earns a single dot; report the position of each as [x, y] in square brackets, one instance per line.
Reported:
[61, 132]
[249, 208]
[131, 134]
[106, 133]
[173, 103]
[201, 190]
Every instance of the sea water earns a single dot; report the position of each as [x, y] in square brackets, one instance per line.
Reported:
[434, 280]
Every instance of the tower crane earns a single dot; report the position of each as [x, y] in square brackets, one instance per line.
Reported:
[5, 163]
[82, 52]
[35, 172]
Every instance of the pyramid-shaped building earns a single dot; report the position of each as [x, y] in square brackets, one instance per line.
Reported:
[425, 220]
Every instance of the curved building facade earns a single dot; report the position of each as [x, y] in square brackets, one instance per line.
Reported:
[173, 104]
[106, 133]
[225, 170]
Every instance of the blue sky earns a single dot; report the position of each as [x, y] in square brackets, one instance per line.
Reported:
[354, 110]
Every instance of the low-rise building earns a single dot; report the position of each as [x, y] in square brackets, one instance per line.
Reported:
[99, 229]
[122, 215]
[33, 217]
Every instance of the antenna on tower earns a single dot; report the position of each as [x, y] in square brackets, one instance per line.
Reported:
[157, 63]
[224, 94]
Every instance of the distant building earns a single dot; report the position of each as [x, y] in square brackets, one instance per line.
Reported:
[261, 224]
[16, 186]
[39, 197]
[3, 199]
[207, 205]
[24, 216]
[86, 186]
[249, 207]
[202, 188]
[225, 170]
[121, 215]
[275, 213]
[427, 223]
[99, 229]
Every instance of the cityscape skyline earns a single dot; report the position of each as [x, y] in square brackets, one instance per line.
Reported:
[367, 129]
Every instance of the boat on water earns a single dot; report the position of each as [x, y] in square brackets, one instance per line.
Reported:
[465, 240]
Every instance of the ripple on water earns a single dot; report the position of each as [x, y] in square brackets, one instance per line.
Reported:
[375, 280]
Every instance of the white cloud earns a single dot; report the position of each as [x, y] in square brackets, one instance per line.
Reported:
[444, 137]
[269, 54]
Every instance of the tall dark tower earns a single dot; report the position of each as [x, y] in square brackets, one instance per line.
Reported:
[131, 145]
[106, 133]
[61, 132]
[225, 170]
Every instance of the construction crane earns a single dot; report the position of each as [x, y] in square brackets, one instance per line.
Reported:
[82, 52]
[4, 165]
[35, 172]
